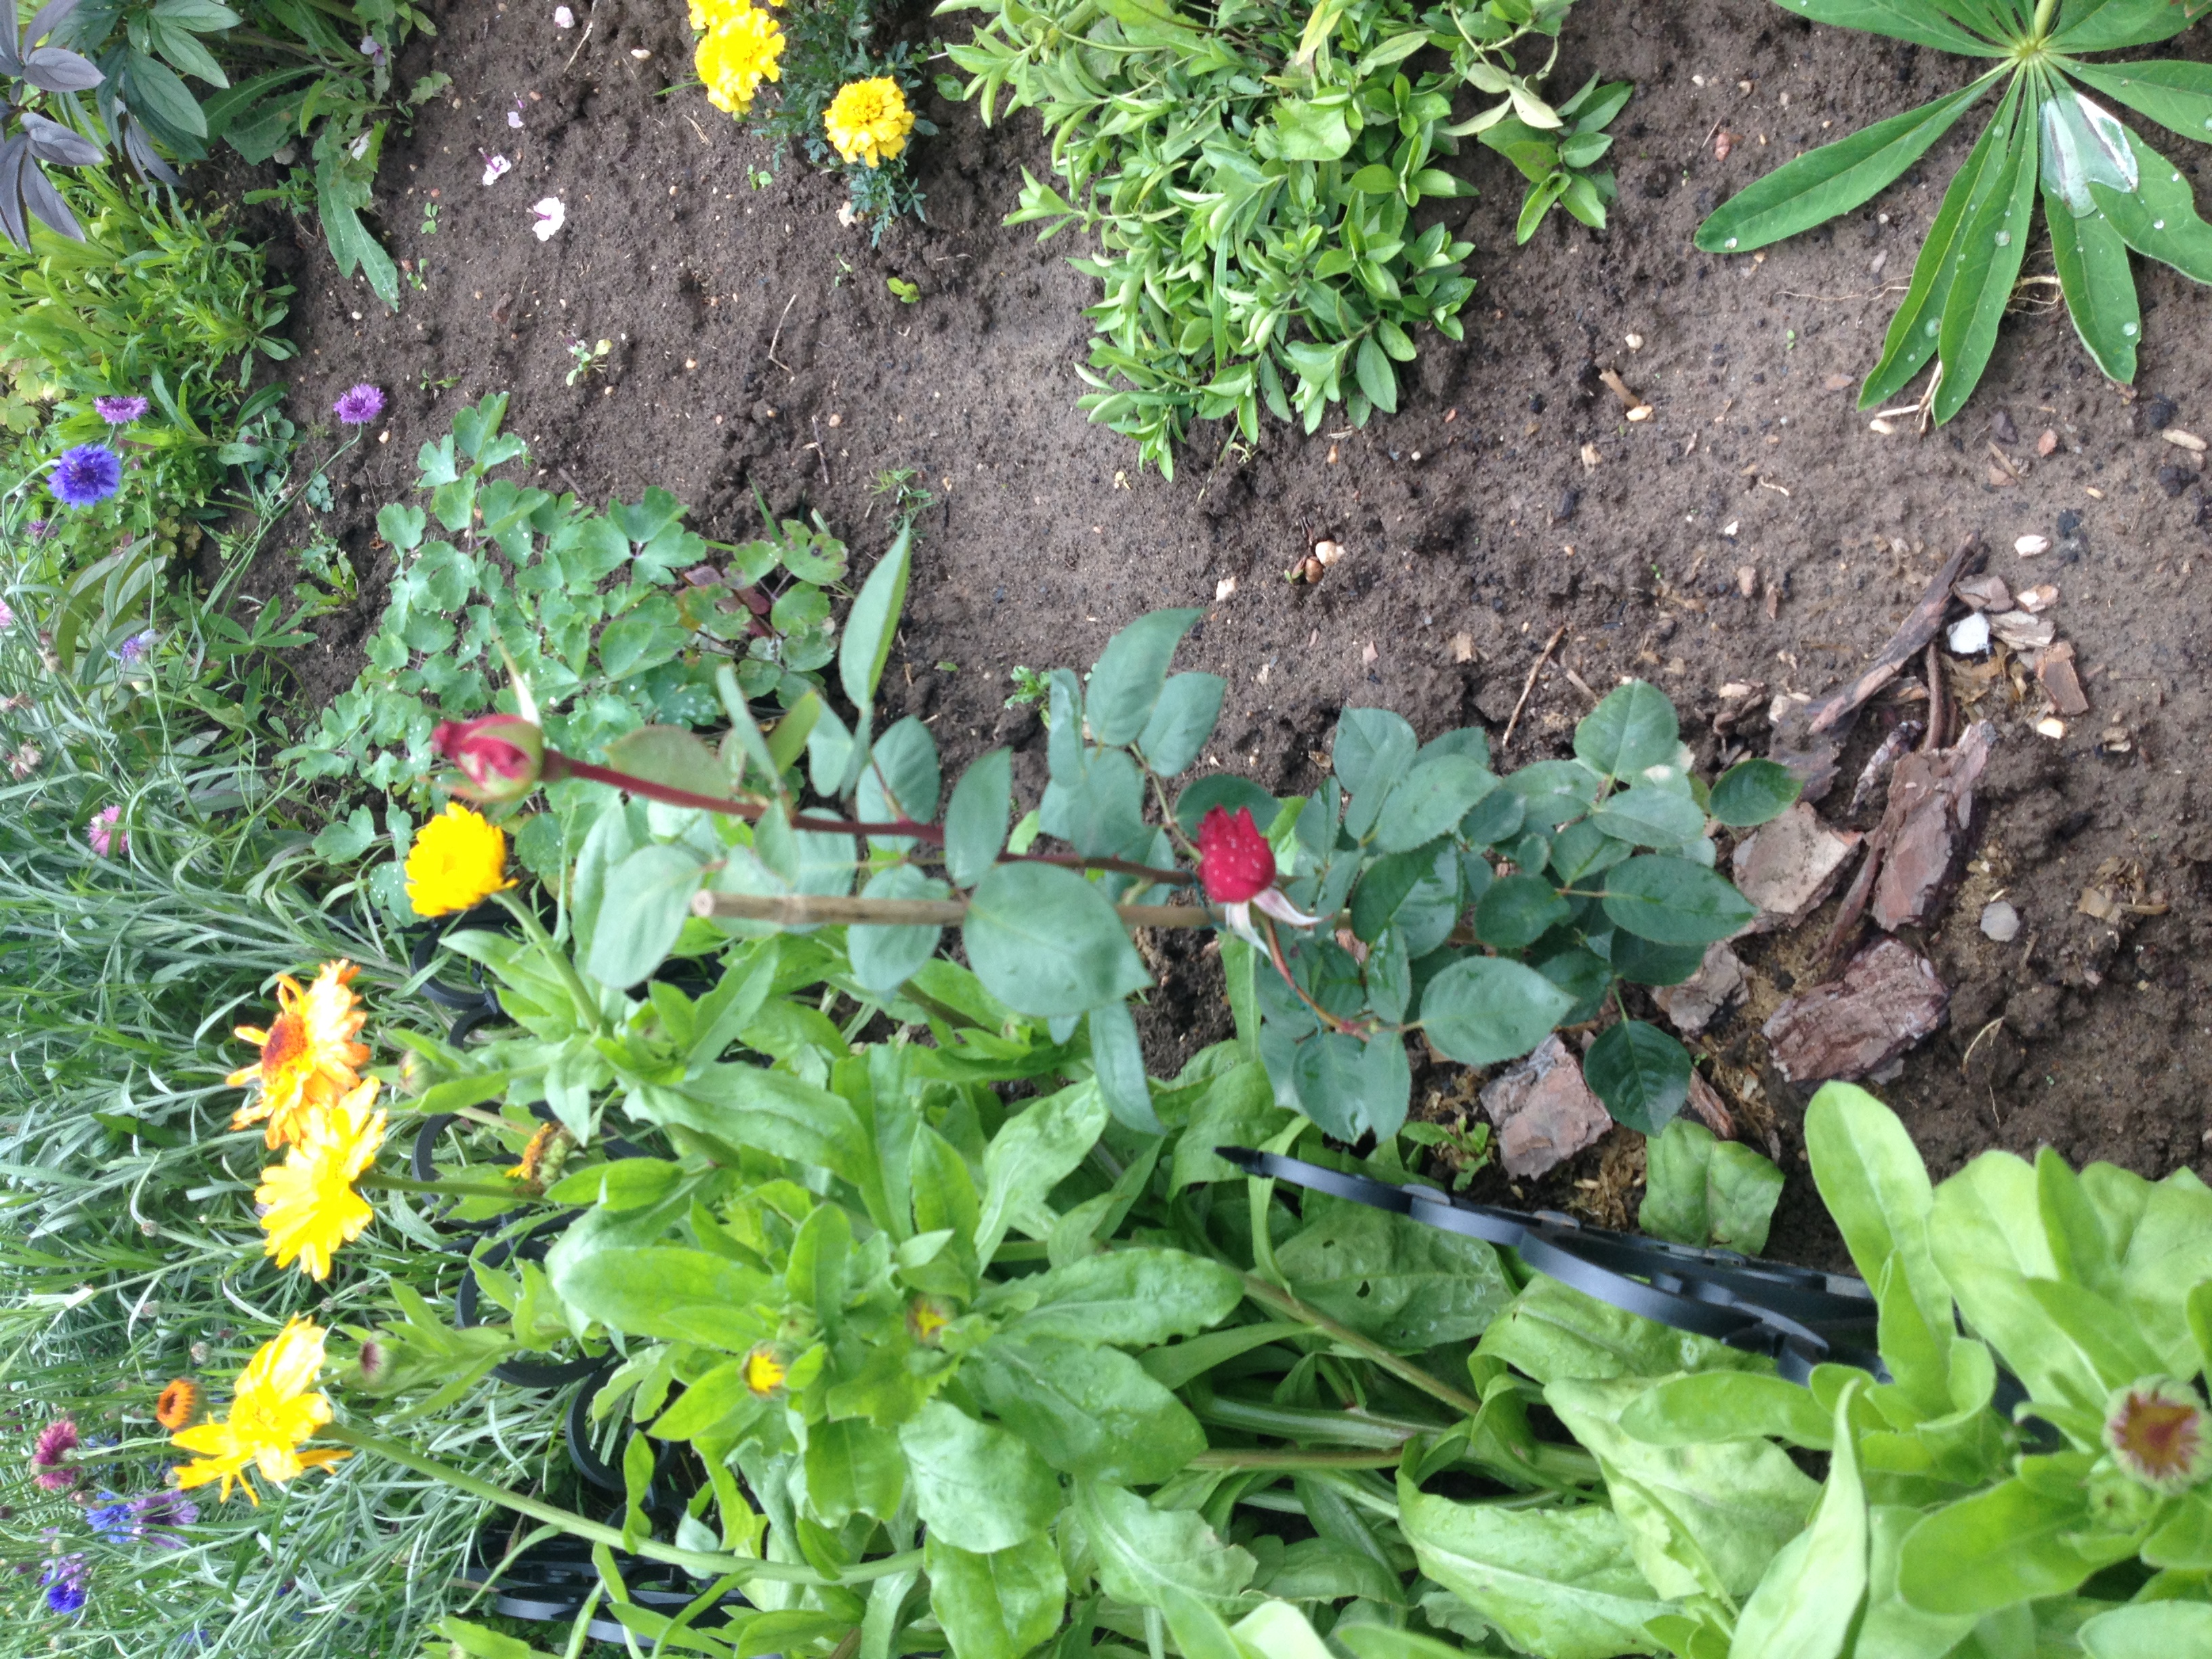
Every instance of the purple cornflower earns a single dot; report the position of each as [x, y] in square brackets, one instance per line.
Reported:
[7, 616]
[135, 649]
[63, 1579]
[39, 529]
[120, 411]
[151, 1512]
[359, 406]
[54, 1444]
[86, 475]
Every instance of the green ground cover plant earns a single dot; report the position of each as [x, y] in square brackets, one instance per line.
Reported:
[2104, 189]
[1252, 176]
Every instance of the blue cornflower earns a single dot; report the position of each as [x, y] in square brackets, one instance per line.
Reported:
[112, 1515]
[63, 1579]
[86, 475]
[134, 650]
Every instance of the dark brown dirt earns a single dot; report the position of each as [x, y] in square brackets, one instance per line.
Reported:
[1471, 518]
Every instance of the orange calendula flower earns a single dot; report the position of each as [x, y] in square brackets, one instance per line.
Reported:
[308, 1205]
[274, 1409]
[179, 1403]
[308, 1054]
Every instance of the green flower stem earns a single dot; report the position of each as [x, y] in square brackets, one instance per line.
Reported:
[835, 910]
[1291, 1458]
[392, 1183]
[1368, 1431]
[1269, 1296]
[706, 1564]
[2042, 24]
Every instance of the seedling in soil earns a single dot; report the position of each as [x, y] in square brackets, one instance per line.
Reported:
[2104, 189]
[761, 177]
[1030, 688]
[430, 227]
[908, 293]
[584, 359]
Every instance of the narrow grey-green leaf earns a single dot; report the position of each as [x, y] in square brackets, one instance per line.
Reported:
[1832, 179]
[1991, 244]
[1911, 340]
[2177, 95]
[2158, 218]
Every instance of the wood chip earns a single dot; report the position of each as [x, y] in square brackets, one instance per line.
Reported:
[1888, 999]
[2037, 599]
[1690, 1005]
[1931, 799]
[2048, 443]
[1463, 647]
[1984, 592]
[1789, 865]
[2023, 631]
[2054, 672]
[1629, 400]
[1543, 1111]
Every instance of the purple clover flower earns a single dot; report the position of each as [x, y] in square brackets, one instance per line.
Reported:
[86, 475]
[121, 411]
[359, 406]
[7, 616]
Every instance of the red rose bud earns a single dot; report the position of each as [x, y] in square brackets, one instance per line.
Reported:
[500, 755]
[1235, 863]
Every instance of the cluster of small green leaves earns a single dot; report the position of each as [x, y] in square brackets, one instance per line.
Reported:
[827, 44]
[1560, 163]
[1947, 1523]
[1481, 910]
[2104, 189]
[1251, 177]
[615, 618]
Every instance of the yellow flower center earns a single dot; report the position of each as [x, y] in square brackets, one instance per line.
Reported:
[763, 1372]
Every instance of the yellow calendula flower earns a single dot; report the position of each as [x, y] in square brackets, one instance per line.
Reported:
[457, 861]
[308, 1205]
[273, 1408]
[868, 121]
[738, 53]
[308, 1055]
[764, 1371]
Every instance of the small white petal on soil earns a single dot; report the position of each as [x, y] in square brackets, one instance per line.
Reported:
[2028, 546]
[549, 215]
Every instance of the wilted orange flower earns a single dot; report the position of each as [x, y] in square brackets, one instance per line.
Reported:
[179, 1404]
[308, 1055]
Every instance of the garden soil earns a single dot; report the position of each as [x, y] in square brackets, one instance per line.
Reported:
[1752, 530]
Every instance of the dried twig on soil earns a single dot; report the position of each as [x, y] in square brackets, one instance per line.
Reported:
[778, 335]
[1529, 684]
[1807, 738]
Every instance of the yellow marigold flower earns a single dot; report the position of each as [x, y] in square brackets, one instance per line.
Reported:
[308, 1055]
[179, 1403]
[738, 53]
[308, 1205]
[457, 861]
[868, 121]
[272, 1410]
[708, 14]
[764, 1371]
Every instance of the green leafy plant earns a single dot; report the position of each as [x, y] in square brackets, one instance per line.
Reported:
[1251, 176]
[1700, 1189]
[2001, 1488]
[585, 357]
[1560, 163]
[1418, 891]
[2104, 189]
[615, 618]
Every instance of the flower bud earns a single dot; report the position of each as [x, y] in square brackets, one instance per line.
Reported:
[501, 756]
[2155, 1430]
[1235, 863]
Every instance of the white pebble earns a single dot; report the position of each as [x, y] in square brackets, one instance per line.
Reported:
[2000, 922]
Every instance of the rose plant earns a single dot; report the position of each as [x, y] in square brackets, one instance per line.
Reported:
[1416, 892]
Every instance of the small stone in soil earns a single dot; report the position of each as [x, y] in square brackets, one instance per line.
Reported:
[2000, 922]
[1543, 1111]
[1970, 634]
